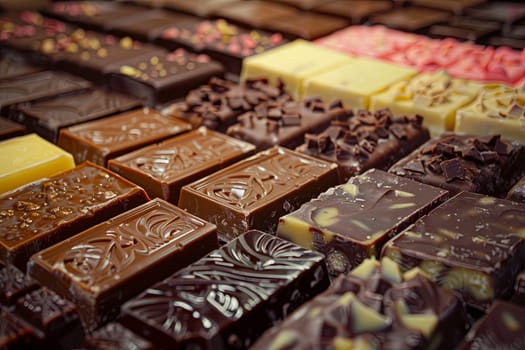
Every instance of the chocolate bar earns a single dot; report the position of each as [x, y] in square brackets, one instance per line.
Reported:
[105, 265]
[117, 337]
[227, 298]
[410, 19]
[45, 212]
[46, 118]
[255, 192]
[471, 244]
[107, 138]
[465, 28]
[14, 334]
[349, 223]
[365, 140]
[164, 78]
[9, 129]
[13, 284]
[517, 192]
[506, 13]
[13, 66]
[255, 14]
[457, 7]
[164, 168]
[358, 12]
[307, 25]
[284, 123]
[201, 8]
[373, 307]
[487, 165]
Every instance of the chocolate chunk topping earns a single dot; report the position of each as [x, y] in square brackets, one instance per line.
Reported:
[415, 167]
[453, 169]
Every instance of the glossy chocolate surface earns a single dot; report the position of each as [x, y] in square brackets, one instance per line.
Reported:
[373, 307]
[227, 298]
[164, 78]
[456, 6]
[351, 222]
[307, 25]
[357, 11]
[472, 244]
[100, 140]
[10, 129]
[12, 66]
[201, 8]
[255, 192]
[517, 192]
[366, 140]
[164, 168]
[487, 165]
[410, 19]
[255, 13]
[46, 118]
[105, 265]
[45, 212]
[284, 123]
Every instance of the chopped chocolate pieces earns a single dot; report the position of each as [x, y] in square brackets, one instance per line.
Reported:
[453, 169]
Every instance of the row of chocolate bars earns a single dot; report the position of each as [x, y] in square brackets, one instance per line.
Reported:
[280, 170]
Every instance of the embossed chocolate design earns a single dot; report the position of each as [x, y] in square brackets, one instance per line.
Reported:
[103, 266]
[253, 193]
[471, 243]
[227, 298]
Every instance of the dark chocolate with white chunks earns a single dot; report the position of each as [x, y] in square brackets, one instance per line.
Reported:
[472, 244]
[103, 266]
[253, 193]
[46, 212]
[503, 327]
[217, 104]
[486, 165]
[351, 222]
[517, 192]
[283, 123]
[373, 307]
[226, 299]
[365, 140]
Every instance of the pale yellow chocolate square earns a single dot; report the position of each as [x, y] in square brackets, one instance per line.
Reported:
[356, 81]
[498, 109]
[292, 63]
[29, 158]
[435, 96]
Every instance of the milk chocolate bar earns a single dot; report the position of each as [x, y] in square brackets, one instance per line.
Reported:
[10, 129]
[365, 140]
[45, 212]
[456, 162]
[201, 8]
[358, 12]
[307, 25]
[472, 244]
[102, 267]
[351, 222]
[255, 14]
[163, 169]
[100, 140]
[227, 298]
[373, 307]
[284, 123]
[255, 192]
[13, 66]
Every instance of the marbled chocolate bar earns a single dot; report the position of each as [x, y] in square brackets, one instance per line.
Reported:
[351, 222]
[102, 267]
[472, 244]
[227, 298]
[255, 192]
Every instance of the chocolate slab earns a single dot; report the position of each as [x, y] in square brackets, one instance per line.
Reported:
[358, 11]
[284, 123]
[255, 13]
[365, 140]
[411, 19]
[105, 265]
[38, 86]
[507, 41]
[307, 25]
[13, 66]
[116, 337]
[163, 169]
[13, 333]
[46, 118]
[487, 165]
[100, 140]
[353, 221]
[373, 307]
[164, 78]
[465, 28]
[301, 4]
[45, 212]
[217, 104]
[502, 328]
[472, 244]
[201, 8]
[505, 12]
[227, 298]
[10, 129]
[13, 284]
[255, 192]
[517, 192]
[457, 7]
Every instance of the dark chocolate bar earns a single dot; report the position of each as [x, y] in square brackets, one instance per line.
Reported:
[10, 129]
[307, 25]
[457, 7]
[164, 168]
[284, 123]
[226, 299]
[13, 66]
[357, 12]
[105, 265]
[14, 334]
[13, 284]
[465, 28]
[517, 192]
[411, 19]
[373, 307]
[43, 213]
[505, 12]
[487, 165]
[365, 140]
[255, 13]
[472, 244]
[255, 192]
[114, 336]
[100, 140]
[351, 222]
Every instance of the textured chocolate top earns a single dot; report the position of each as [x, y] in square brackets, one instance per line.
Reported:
[375, 307]
[200, 302]
[517, 192]
[487, 165]
[365, 140]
